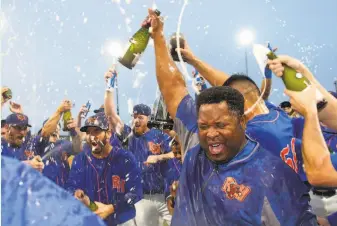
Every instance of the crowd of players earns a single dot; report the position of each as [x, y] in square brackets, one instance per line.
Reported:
[217, 166]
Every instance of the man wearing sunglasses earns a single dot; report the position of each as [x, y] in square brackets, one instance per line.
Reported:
[17, 143]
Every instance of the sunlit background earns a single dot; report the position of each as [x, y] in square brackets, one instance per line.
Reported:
[57, 49]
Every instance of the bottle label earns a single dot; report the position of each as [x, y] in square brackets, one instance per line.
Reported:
[135, 59]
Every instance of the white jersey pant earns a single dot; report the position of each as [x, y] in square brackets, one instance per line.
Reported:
[152, 211]
[323, 206]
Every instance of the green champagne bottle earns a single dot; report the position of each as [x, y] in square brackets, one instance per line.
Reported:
[66, 117]
[297, 82]
[137, 46]
[92, 206]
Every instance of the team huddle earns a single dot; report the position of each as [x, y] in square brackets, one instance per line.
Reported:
[231, 158]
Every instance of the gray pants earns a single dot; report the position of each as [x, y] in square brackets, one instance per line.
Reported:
[152, 211]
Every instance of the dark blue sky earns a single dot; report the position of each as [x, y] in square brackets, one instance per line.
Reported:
[53, 48]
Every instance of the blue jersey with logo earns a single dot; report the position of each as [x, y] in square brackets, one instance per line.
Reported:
[56, 166]
[254, 188]
[35, 200]
[115, 180]
[25, 152]
[153, 142]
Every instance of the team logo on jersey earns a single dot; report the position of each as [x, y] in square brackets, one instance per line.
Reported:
[234, 190]
[154, 148]
[29, 154]
[118, 183]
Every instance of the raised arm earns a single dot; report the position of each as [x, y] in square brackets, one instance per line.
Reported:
[51, 125]
[212, 75]
[109, 105]
[317, 159]
[170, 80]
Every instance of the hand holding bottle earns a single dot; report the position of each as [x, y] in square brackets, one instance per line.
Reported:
[303, 102]
[64, 106]
[277, 66]
[104, 210]
[79, 194]
[187, 53]
[157, 24]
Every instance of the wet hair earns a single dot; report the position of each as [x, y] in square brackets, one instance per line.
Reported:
[219, 94]
[243, 78]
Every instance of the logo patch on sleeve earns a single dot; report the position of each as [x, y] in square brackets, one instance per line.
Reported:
[233, 190]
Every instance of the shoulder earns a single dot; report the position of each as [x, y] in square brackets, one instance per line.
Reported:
[121, 155]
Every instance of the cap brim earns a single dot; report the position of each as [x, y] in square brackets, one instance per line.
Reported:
[96, 111]
[85, 128]
[29, 125]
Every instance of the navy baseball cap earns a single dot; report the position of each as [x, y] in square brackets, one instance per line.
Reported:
[142, 109]
[101, 109]
[17, 119]
[99, 120]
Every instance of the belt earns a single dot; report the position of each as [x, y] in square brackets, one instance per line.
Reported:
[325, 193]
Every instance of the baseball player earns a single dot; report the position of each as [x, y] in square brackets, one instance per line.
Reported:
[151, 149]
[214, 185]
[106, 175]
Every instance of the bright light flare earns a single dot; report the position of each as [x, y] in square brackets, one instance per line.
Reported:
[113, 49]
[246, 37]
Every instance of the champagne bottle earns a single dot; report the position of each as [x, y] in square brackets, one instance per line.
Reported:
[174, 45]
[138, 44]
[92, 206]
[66, 118]
[297, 82]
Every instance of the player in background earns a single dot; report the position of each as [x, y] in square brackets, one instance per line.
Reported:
[106, 174]
[55, 152]
[151, 149]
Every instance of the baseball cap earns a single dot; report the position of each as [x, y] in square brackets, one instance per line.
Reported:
[101, 109]
[285, 104]
[99, 120]
[17, 119]
[142, 109]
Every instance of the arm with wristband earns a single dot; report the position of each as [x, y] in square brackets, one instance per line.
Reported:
[109, 106]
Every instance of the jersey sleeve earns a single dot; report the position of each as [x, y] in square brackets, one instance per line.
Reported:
[332, 218]
[185, 123]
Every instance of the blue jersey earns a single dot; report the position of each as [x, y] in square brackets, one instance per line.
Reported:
[244, 191]
[35, 200]
[25, 152]
[330, 137]
[171, 173]
[56, 165]
[332, 218]
[153, 142]
[113, 180]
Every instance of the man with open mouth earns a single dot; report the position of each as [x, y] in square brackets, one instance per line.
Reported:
[105, 175]
[17, 142]
[226, 178]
